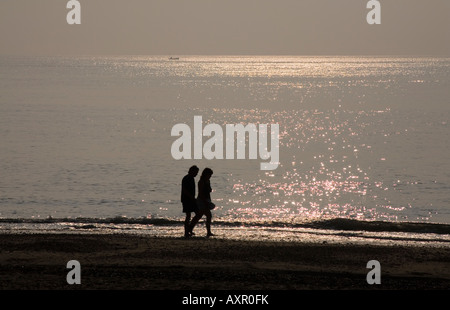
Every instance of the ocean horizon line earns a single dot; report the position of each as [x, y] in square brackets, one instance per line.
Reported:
[168, 55]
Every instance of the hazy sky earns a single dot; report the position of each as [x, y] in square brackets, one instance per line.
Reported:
[181, 27]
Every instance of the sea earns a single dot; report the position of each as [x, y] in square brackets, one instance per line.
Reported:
[364, 144]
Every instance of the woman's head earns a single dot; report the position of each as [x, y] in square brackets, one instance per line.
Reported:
[206, 173]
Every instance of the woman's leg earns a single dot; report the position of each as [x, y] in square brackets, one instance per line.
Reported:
[208, 223]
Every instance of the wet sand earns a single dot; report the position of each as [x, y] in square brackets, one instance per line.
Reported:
[136, 262]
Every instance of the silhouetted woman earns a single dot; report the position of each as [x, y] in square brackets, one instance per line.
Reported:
[204, 203]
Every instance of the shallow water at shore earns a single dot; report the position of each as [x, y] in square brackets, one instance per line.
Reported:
[335, 231]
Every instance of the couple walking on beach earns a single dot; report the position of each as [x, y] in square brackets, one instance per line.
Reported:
[201, 205]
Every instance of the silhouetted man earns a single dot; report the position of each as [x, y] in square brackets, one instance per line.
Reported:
[188, 197]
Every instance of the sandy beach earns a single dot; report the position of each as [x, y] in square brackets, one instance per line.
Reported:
[136, 262]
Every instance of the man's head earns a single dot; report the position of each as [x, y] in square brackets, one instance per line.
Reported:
[193, 171]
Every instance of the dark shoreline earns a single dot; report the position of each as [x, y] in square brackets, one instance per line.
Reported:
[334, 224]
[136, 262]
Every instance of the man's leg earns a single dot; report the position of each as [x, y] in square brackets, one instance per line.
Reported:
[197, 217]
[186, 224]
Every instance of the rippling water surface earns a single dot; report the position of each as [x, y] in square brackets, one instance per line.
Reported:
[360, 138]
